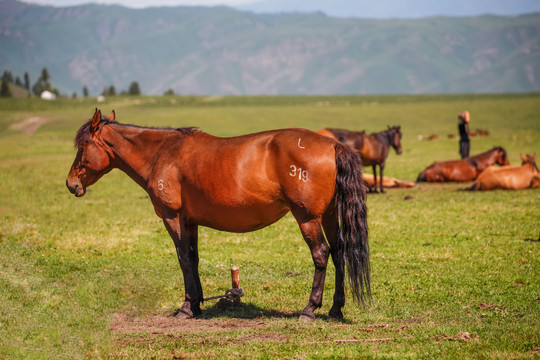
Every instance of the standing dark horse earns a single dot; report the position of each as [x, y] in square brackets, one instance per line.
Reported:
[462, 170]
[240, 184]
[373, 148]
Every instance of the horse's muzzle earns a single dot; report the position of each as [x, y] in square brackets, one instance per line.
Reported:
[76, 189]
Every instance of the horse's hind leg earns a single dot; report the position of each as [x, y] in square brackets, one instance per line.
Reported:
[314, 237]
[331, 227]
[374, 189]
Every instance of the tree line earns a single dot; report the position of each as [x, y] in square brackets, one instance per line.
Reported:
[43, 83]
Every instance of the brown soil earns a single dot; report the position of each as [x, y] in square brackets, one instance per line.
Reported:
[164, 325]
[29, 126]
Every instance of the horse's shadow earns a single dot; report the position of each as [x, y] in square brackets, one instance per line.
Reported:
[249, 311]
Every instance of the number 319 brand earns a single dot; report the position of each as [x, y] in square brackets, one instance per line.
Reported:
[297, 171]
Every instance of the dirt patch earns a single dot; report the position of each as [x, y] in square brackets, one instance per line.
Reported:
[30, 125]
[491, 307]
[461, 336]
[164, 325]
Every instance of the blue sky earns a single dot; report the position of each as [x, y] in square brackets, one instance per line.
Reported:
[342, 8]
[142, 3]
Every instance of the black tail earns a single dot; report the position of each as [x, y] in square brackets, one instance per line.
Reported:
[353, 246]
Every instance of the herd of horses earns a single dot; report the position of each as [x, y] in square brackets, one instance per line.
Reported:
[248, 182]
[482, 170]
[374, 149]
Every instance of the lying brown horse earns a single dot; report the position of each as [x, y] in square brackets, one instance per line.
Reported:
[240, 184]
[387, 181]
[509, 177]
[373, 148]
[466, 169]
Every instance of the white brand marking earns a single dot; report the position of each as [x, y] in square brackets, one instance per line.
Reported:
[298, 171]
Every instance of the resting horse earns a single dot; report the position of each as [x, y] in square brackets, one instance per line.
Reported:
[509, 177]
[373, 148]
[388, 182]
[463, 170]
[240, 184]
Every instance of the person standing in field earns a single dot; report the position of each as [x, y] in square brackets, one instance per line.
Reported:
[463, 127]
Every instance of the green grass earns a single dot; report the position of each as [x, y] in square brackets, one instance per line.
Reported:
[445, 262]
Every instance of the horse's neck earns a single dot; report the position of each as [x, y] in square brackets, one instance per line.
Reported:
[486, 159]
[530, 168]
[134, 149]
[384, 137]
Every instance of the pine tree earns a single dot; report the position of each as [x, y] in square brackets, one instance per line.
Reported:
[5, 91]
[27, 81]
[42, 83]
[134, 89]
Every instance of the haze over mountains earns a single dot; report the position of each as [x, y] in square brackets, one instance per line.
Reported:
[386, 9]
[224, 51]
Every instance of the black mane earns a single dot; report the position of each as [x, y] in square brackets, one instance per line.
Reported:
[83, 134]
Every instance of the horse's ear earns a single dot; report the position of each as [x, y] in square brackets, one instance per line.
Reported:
[96, 120]
[112, 116]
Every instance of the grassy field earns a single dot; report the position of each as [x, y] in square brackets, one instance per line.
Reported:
[97, 277]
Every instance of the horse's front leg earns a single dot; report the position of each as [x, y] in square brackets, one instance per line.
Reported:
[314, 237]
[381, 177]
[185, 241]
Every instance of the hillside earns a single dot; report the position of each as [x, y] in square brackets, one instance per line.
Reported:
[222, 51]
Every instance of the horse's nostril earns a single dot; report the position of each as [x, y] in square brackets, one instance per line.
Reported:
[72, 189]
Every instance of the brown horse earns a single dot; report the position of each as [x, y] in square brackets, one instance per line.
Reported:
[240, 184]
[466, 169]
[373, 148]
[388, 182]
[509, 177]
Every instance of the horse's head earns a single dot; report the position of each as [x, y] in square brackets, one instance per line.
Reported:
[92, 160]
[529, 159]
[502, 158]
[396, 138]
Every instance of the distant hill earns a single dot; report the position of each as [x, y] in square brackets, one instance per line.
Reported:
[387, 9]
[222, 51]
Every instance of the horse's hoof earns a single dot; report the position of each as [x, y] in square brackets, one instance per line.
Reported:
[306, 318]
[334, 319]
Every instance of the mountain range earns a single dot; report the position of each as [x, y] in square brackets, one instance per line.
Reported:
[226, 51]
[398, 9]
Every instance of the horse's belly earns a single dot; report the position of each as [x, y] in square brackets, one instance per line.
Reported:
[237, 218]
